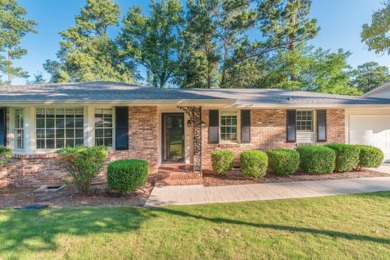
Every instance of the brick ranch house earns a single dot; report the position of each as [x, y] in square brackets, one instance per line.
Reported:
[175, 126]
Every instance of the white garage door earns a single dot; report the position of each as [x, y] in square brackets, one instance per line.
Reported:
[371, 130]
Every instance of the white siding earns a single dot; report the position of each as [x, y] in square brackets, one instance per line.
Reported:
[305, 137]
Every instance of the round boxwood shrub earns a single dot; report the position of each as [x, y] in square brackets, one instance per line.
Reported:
[370, 156]
[127, 175]
[222, 161]
[253, 164]
[316, 159]
[347, 156]
[283, 161]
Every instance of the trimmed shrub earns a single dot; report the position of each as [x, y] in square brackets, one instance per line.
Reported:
[283, 161]
[127, 175]
[347, 156]
[370, 156]
[316, 159]
[222, 161]
[253, 164]
[5, 155]
[83, 164]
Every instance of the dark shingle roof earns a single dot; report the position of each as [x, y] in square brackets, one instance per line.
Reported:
[109, 92]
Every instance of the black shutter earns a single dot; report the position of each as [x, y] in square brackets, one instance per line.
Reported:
[321, 126]
[214, 126]
[122, 128]
[3, 126]
[245, 126]
[291, 126]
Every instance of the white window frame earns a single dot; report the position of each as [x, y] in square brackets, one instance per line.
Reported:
[18, 125]
[312, 121]
[227, 112]
[93, 124]
[55, 128]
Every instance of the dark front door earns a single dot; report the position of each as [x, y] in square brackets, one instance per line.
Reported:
[173, 137]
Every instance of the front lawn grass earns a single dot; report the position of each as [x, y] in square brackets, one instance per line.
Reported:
[337, 227]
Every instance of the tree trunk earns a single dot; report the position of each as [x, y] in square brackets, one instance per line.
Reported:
[9, 68]
[291, 48]
[225, 58]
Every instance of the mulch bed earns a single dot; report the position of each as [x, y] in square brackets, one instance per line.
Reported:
[13, 197]
[235, 177]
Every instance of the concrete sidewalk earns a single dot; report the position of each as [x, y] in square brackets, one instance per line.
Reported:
[198, 194]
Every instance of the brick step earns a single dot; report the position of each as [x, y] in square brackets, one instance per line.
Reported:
[178, 182]
[178, 175]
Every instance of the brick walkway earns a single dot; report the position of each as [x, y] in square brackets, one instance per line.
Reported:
[198, 194]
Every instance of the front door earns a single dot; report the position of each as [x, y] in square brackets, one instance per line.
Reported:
[173, 137]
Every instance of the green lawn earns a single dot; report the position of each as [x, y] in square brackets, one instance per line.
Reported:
[350, 226]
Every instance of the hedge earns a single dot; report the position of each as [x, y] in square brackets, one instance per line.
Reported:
[222, 161]
[316, 159]
[253, 164]
[347, 156]
[283, 161]
[83, 164]
[127, 175]
[370, 156]
[5, 155]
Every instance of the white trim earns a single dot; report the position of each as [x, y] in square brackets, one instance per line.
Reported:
[308, 136]
[237, 112]
[92, 126]
[377, 89]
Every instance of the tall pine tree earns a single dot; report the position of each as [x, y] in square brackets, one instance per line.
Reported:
[87, 53]
[13, 27]
[236, 17]
[287, 27]
[199, 56]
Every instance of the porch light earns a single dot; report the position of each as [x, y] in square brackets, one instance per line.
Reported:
[203, 124]
[189, 123]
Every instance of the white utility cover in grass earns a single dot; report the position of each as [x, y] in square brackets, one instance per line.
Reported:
[371, 130]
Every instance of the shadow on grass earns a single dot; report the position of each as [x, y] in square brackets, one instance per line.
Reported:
[37, 230]
[330, 233]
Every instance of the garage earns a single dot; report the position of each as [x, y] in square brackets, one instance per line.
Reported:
[371, 130]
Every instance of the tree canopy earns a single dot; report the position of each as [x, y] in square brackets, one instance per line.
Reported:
[13, 27]
[377, 35]
[203, 44]
[369, 76]
[153, 40]
[87, 53]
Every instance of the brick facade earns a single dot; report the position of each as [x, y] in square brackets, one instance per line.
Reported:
[44, 169]
[268, 130]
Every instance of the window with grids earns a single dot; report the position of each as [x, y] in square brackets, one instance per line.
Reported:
[59, 127]
[229, 126]
[103, 127]
[19, 128]
[305, 121]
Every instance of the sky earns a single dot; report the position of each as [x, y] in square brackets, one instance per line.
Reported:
[340, 21]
